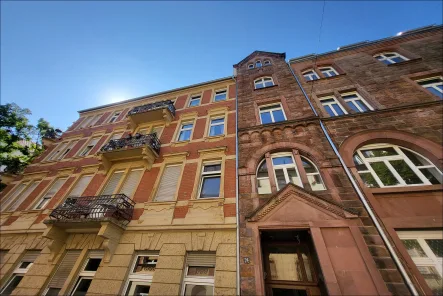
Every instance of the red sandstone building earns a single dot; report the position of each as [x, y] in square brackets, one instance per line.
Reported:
[380, 104]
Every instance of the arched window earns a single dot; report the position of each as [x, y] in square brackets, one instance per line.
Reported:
[310, 75]
[258, 64]
[385, 165]
[286, 171]
[390, 57]
[263, 82]
[328, 71]
[251, 66]
[267, 62]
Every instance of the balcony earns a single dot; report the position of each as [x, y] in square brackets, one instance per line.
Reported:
[163, 110]
[92, 209]
[145, 147]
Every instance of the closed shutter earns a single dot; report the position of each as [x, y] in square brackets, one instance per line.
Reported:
[24, 195]
[54, 188]
[30, 256]
[131, 182]
[112, 183]
[200, 259]
[168, 183]
[64, 269]
[80, 186]
[18, 189]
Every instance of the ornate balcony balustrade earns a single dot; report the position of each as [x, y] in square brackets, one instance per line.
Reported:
[163, 110]
[146, 147]
[95, 208]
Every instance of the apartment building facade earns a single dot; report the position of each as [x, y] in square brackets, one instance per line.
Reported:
[135, 198]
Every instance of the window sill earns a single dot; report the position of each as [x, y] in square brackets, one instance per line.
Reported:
[214, 138]
[405, 62]
[404, 189]
[180, 143]
[326, 78]
[268, 87]
[207, 200]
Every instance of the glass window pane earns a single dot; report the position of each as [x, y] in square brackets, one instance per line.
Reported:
[385, 175]
[263, 186]
[210, 187]
[337, 109]
[82, 287]
[387, 62]
[282, 160]
[93, 264]
[316, 182]
[308, 166]
[145, 264]
[265, 117]
[269, 83]
[413, 248]
[398, 59]
[329, 110]
[220, 97]
[278, 115]
[259, 85]
[292, 174]
[13, 283]
[185, 135]
[212, 168]
[436, 246]
[405, 172]
[262, 171]
[378, 152]
[352, 105]
[433, 175]
[198, 290]
[432, 278]
[359, 163]
[269, 107]
[187, 126]
[201, 271]
[217, 120]
[435, 91]
[362, 105]
[415, 158]
[194, 103]
[369, 180]
[53, 292]
[216, 130]
[281, 180]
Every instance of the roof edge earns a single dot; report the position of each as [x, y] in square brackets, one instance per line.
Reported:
[155, 94]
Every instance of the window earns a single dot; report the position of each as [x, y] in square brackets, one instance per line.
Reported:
[19, 272]
[157, 130]
[333, 107]
[95, 119]
[20, 193]
[90, 146]
[426, 250]
[87, 273]
[185, 131]
[310, 75]
[169, 183]
[328, 71]
[263, 82]
[385, 165]
[220, 95]
[54, 154]
[80, 186]
[194, 101]
[199, 274]
[356, 102]
[433, 84]
[217, 127]
[272, 113]
[251, 66]
[267, 62]
[390, 58]
[61, 275]
[286, 171]
[210, 180]
[128, 186]
[140, 275]
[55, 187]
[66, 150]
[258, 64]
[116, 136]
[114, 117]
[85, 122]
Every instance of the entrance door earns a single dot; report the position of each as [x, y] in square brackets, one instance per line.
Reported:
[290, 264]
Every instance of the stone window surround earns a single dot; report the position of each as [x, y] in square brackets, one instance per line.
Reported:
[412, 57]
[193, 95]
[316, 68]
[213, 114]
[263, 59]
[132, 276]
[412, 79]
[268, 101]
[185, 117]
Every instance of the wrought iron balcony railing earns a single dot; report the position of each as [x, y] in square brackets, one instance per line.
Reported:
[95, 208]
[137, 141]
[153, 106]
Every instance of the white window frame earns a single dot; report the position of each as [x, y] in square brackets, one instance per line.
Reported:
[182, 129]
[48, 200]
[400, 156]
[216, 124]
[421, 236]
[251, 66]
[330, 105]
[317, 173]
[134, 277]
[352, 100]
[382, 57]
[85, 122]
[15, 197]
[197, 280]
[328, 71]
[280, 107]
[263, 178]
[433, 85]
[267, 62]
[114, 116]
[260, 64]
[85, 274]
[17, 271]
[194, 98]
[204, 175]
[84, 152]
[219, 92]
[285, 168]
[310, 76]
[262, 81]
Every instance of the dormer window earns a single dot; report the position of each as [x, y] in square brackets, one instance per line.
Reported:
[390, 58]
[267, 62]
[310, 75]
[258, 64]
[328, 71]
[251, 66]
[263, 82]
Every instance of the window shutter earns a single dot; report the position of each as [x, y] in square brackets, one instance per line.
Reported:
[55, 187]
[19, 188]
[95, 253]
[58, 151]
[131, 182]
[168, 184]
[24, 195]
[30, 256]
[112, 183]
[80, 186]
[64, 269]
[200, 259]
[93, 142]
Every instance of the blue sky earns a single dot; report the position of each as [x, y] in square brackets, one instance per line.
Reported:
[61, 57]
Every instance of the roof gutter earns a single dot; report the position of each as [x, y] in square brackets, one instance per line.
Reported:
[361, 196]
